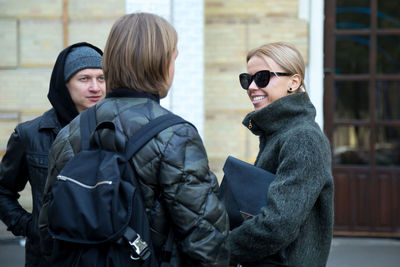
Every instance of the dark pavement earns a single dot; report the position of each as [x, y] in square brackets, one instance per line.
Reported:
[345, 251]
[12, 253]
[366, 252]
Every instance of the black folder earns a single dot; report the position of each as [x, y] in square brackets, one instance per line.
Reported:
[243, 190]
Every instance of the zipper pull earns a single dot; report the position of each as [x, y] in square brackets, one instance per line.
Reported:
[61, 177]
[250, 125]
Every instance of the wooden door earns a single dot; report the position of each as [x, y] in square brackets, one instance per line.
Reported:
[362, 113]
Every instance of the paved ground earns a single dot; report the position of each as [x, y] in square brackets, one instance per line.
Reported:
[366, 252]
[12, 253]
[345, 252]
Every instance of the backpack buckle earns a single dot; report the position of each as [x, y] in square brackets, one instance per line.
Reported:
[140, 248]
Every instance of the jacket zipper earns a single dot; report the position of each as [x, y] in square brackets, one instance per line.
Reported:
[65, 179]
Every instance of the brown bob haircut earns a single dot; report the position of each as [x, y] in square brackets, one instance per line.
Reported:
[138, 53]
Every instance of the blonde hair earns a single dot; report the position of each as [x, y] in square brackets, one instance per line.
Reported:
[285, 55]
[138, 53]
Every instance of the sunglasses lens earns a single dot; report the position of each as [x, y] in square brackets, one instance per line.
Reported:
[261, 78]
[245, 80]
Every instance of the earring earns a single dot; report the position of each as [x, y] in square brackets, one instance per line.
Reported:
[290, 90]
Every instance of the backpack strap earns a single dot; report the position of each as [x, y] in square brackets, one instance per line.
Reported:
[87, 125]
[166, 252]
[151, 129]
[135, 142]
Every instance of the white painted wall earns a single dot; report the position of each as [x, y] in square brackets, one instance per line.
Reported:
[187, 93]
[313, 12]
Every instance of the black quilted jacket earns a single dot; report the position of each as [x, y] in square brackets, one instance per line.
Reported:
[174, 176]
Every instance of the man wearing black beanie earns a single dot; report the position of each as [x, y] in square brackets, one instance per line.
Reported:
[77, 83]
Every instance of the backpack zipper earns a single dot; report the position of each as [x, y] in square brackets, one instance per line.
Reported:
[65, 178]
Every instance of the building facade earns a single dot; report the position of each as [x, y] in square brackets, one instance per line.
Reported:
[351, 77]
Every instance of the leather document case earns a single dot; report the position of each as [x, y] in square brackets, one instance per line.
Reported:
[243, 190]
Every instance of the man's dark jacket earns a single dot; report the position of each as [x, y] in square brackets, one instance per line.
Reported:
[26, 160]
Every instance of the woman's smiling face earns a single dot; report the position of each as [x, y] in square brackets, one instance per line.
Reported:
[277, 87]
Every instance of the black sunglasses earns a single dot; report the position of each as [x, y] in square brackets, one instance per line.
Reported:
[261, 78]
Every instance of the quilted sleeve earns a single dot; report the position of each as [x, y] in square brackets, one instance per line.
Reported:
[190, 191]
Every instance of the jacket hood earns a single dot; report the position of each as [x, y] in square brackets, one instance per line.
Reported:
[58, 95]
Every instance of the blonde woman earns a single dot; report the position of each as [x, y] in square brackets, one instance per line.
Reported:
[295, 228]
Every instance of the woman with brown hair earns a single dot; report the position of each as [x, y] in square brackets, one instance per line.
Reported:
[177, 186]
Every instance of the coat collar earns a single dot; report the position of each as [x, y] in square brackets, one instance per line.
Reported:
[49, 120]
[281, 114]
[126, 92]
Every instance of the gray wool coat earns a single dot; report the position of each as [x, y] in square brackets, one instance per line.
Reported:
[296, 226]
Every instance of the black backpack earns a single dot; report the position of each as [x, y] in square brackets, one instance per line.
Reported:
[96, 212]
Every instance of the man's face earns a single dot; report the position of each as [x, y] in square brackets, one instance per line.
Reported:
[87, 87]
